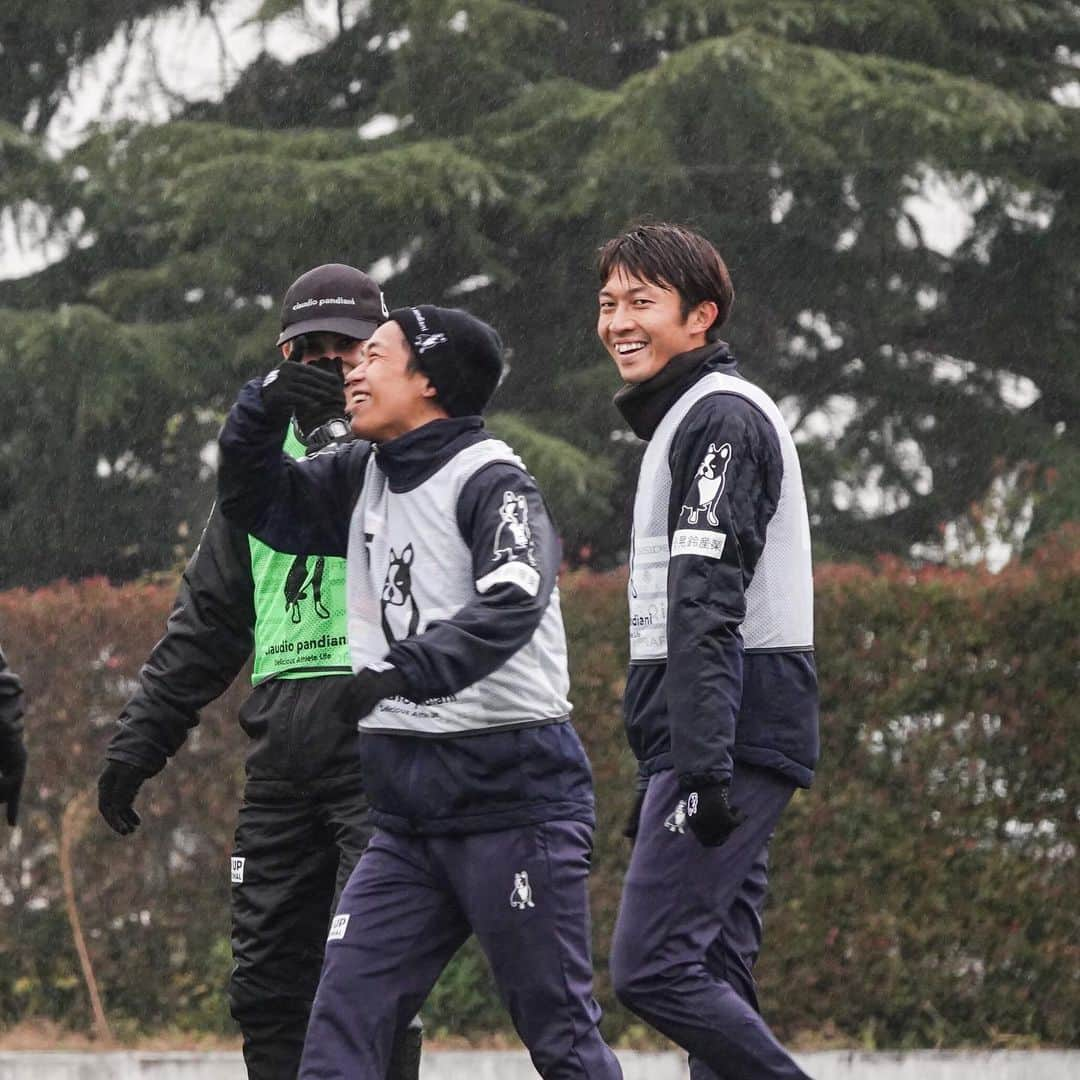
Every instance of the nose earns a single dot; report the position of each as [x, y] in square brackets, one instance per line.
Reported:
[622, 319]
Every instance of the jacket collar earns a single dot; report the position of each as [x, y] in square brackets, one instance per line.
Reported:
[412, 458]
[645, 404]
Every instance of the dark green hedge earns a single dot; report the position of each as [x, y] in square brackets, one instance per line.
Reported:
[924, 892]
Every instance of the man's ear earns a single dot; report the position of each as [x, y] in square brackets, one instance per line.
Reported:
[703, 316]
[286, 349]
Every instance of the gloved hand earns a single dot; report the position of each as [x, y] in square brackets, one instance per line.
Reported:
[295, 387]
[118, 785]
[633, 820]
[12, 774]
[366, 689]
[709, 815]
[309, 418]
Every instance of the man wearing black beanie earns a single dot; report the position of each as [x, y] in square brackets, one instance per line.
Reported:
[460, 355]
[480, 789]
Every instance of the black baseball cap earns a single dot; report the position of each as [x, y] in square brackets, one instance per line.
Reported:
[333, 297]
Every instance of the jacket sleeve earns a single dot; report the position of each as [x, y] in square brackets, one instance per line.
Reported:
[208, 638]
[11, 701]
[515, 563]
[726, 468]
[299, 507]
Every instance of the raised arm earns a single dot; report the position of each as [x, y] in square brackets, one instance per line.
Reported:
[300, 507]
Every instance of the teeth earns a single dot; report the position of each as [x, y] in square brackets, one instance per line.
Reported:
[624, 347]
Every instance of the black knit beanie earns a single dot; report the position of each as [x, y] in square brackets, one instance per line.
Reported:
[460, 354]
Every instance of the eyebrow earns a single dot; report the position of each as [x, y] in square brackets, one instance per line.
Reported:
[631, 291]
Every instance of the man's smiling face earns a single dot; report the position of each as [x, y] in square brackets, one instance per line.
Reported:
[642, 325]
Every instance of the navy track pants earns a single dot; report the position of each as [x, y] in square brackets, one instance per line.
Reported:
[412, 902]
[689, 930]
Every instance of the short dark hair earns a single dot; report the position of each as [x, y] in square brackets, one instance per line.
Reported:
[675, 257]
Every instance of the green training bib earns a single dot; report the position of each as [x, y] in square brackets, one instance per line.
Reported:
[301, 630]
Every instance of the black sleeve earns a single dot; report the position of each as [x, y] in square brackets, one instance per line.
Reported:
[11, 701]
[208, 638]
[515, 563]
[299, 507]
[726, 468]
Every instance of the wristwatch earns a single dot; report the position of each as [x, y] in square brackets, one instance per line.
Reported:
[333, 431]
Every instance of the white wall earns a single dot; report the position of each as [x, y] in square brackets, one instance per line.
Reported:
[465, 1065]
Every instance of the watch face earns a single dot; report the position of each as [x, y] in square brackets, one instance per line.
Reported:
[332, 431]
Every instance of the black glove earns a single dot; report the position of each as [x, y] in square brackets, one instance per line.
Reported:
[310, 419]
[633, 820]
[12, 774]
[302, 388]
[118, 785]
[366, 689]
[709, 815]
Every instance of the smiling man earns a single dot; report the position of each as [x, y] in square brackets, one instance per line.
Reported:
[721, 694]
[480, 788]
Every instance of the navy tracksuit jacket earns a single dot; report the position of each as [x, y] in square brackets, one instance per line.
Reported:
[717, 702]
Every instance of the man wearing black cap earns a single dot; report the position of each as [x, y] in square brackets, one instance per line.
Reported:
[481, 792]
[304, 820]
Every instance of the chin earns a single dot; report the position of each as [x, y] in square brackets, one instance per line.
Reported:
[634, 374]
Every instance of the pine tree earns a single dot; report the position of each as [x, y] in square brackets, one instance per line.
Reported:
[794, 134]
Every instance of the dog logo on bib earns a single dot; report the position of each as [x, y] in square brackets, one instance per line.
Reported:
[521, 897]
[400, 615]
[710, 477]
[513, 538]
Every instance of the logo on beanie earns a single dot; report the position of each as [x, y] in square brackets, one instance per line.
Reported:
[423, 342]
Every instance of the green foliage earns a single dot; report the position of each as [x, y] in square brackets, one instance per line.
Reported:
[922, 890]
[466, 58]
[154, 911]
[798, 135]
[80, 383]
